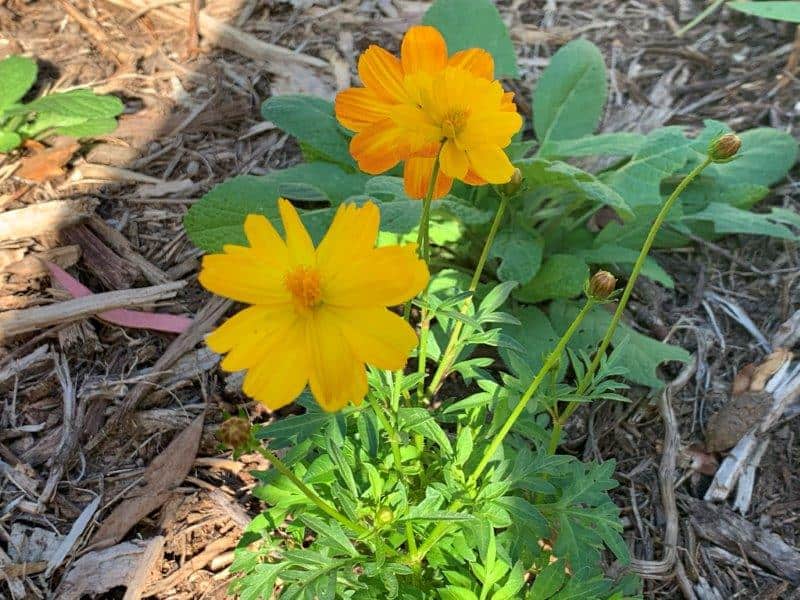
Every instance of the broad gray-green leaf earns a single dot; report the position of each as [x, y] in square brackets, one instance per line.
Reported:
[569, 97]
[764, 159]
[640, 354]
[639, 180]
[604, 144]
[729, 219]
[609, 254]
[17, 74]
[9, 140]
[560, 276]
[535, 334]
[779, 10]
[520, 252]
[88, 128]
[311, 120]
[539, 172]
[475, 24]
[84, 104]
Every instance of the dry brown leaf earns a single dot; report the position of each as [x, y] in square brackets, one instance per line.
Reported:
[768, 368]
[728, 425]
[45, 163]
[166, 472]
[741, 382]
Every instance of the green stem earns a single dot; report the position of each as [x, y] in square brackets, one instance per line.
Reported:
[319, 502]
[390, 432]
[691, 24]
[584, 383]
[451, 350]
[552, 359]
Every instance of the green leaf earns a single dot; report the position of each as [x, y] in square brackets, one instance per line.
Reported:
[604, 144]
[535, 334]
[560, 276]
[464, 445]
[420, 421]
[520, 252]
[662, 154]
[766, 156]
[548, 581]
[640, 354]
[474, 24]
[729, 219]
[9, 140]
[780, 11]
[539, 172]
[332, 532]
[294, 429]
[75, 103]
[88, 128]
[18, 74]
[569, 98]
[610, 254]
[452, 592]
[311, 120]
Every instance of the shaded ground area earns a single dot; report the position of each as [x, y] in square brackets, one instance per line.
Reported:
[90, 410]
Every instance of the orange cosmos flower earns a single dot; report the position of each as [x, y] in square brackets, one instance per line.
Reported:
[413, 107]
[318, 314]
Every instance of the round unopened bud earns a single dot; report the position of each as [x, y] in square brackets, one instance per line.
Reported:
[384, 515]
[724, 148]
[235, 432]
[602, 285]
[513, 185]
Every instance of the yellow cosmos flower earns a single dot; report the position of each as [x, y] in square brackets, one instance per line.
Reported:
[318, 314]
[411, 107]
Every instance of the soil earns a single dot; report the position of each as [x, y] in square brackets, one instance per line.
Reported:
[192, 120]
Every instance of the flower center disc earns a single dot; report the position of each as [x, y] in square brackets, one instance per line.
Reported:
[454, 122]
[304, 285]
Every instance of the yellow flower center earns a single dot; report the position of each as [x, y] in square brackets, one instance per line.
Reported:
[454, 121]
[305, 286]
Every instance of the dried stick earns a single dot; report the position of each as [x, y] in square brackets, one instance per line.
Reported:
[120, 244]
[17, 322]
[44, 217]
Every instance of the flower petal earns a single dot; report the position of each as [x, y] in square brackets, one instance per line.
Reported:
[420, 134]
[382, 73]
[358, 108]
[351, 234]
[283, 366]
[377, 336]
[379, 147]
[249, 334]
[475, 60]
[264, 239]
[490, 163]
[298, 242]
[337, 376]
[385, 276]
[417, 176]
[495, 127]
[244, 275]
[472, 178]
[454, 160]
[423, 49]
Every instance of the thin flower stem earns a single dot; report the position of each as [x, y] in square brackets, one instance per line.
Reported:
[586, 380]
[451, 350]
[705, 13]
[551, 361]
[390, 432]
[319, 502]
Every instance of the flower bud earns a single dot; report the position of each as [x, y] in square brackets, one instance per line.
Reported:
[384, 516]
[724, 148]
[602, 285]
[235, 432]
[513, 185]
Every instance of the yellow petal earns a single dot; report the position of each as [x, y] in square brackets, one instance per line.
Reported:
[495, 127]
[250, 335]
[298, 242]
[423, 49]
[377, 336]
[352, 233]
[490, 163]
[379, 147]
[382, 73]
[243, 323]
[283, 368]
[475, 60]
[265, 240]
[417, 176]
[243, 274]
[358, 108]
[454, 160]
[337, 377]
[382, 277]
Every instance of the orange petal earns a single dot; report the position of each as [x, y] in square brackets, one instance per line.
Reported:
[382, 73]
[475, 60]
[472, 178]
[507, 103]
[379, 147]
[358, 108]
[417, 176]
[423, 49]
